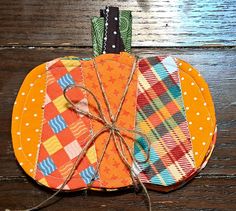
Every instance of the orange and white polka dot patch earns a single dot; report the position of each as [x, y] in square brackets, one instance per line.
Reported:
[27, 119]
[199, 109]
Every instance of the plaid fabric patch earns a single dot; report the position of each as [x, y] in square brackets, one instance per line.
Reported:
[64, 132]
[161, 116]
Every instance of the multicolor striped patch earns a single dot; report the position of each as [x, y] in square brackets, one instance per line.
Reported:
[47, 166]
[88, 174]
[57, 124]
[161, 116]
[65, 81]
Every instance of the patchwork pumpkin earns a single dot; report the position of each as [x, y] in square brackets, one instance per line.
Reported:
[168, 100]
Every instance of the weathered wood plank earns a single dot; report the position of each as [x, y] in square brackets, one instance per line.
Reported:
[155, 22]
[201, 194]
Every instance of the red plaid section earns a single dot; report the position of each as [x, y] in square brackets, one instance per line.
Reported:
[161, 116]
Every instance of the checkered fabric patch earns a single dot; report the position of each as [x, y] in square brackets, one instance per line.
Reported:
[64, 132]
[161, 116]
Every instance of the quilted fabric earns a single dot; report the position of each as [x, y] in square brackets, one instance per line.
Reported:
[26, 119]
[161, 116]
[200, 112]
[64, 133]
[114, 70]
[48, 135]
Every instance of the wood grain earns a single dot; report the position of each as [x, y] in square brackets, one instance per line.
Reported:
[213, 189]
[155, 22]
[201, 194]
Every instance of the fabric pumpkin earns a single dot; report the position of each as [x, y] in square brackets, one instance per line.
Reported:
[167, 99]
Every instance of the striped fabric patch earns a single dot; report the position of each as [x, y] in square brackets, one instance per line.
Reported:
[88, 174]
[78, 128]
[52, 145]
[47, 166]
[65, 81]
[161, 116]
[65, 169]
[57, 124]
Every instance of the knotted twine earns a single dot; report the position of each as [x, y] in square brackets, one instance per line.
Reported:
[114, 132]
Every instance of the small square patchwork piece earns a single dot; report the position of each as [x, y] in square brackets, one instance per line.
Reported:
[91, 154]
[88, 174]
[54, 90]
[47, 166]
[161, 70]
[65, 81]
[65, 136]
[65, 169]
[61, 104]
[73, 149]
[57, 124]
[48, 132]
[78, 128]
[60, 157]
[50, 111]
[52, 145]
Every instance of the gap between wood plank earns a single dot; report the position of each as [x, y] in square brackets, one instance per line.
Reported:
[25, 178]
[135, 47]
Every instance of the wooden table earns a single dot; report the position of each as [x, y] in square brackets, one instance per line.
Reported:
[201, 32]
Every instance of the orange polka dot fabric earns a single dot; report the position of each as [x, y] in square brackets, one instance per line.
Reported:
[27, 119]
[200, 112]
[38, 132]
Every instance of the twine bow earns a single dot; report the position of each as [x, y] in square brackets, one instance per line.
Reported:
[114, 132]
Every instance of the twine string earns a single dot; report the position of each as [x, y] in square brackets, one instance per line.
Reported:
[114, 133]
[100, 159]
[133, 172]
[72, 171]
[103, 90]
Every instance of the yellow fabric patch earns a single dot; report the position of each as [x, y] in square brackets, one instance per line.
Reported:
[60, 103]
[91, 154]
[52, 145]
[43, 182]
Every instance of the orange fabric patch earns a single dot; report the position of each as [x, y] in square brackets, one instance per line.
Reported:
[200, 111]
[27, 119]
[113, 172]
